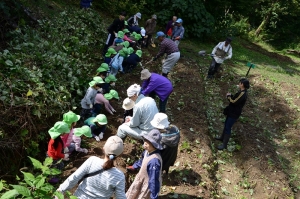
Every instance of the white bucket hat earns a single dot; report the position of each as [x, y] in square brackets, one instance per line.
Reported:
[133, 89]
[160, 121]
[128, 104]
[145, 74]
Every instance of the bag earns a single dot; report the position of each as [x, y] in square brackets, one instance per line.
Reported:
[226, 110]
[90, 174]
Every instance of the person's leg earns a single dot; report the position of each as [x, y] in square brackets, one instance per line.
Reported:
[222, 135]
[170, 61]
[227, 132]
[124, 130]
[96, 110]
[211, 68]
[162, 105]
[109, 41]
[84, 114]
[71, 147]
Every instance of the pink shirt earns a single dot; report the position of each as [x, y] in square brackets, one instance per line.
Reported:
[127, 39]
[100, 99]
[77, 142]
[67, 138]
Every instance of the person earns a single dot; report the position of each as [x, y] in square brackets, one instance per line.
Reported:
[220, 53]
[104, 178]
[132, 61]
[155, 84]
[133, 22]
[170, 140]
[150, 29]
[97, 125]
[143, 112]
[56, 145]
[170, 25]
[71, 119]
[100, 100]
[171, 49]
[128, 105]
[119, 39]
[76, 139]
[233, 111]
[178, 31]
[102, 70]
[85, 4]
[110, 81]
[109, 55]
[88, 101]
[147, 182]
[117, 62]
[126, 37]
[113, 29]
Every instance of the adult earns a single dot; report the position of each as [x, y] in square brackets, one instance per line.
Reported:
[233, 111]
[133, 22]
[103, 178]
[150, 29]
[170, 25]
[117, 25]
[155, 84]
[171, 49]
[143, 112]
[178, 31]
[220, 53]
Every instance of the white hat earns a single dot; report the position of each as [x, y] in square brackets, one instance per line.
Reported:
[145, 74]
[128, 104]
[138, 15]
[133, 89]
[113, 146]
[160, 121]
[143, 31]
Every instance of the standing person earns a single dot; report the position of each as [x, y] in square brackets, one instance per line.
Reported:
[178, 31]
[220, 53]
[103, 178]
[117, 25]
[147, 182]
[155, 84]
[171, 49]
[143, 112]
[76, 139]
[170, 26]
[233, 111]
[150, 29]
[97, 125]
[133, 21]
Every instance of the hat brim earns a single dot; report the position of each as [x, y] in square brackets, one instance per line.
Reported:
[155, 144]
[101, 123]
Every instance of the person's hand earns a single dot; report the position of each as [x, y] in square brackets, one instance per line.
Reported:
[127, 119]
[101, 135]
[116, 35]
[228, 94]
[100, 90]
[85, 151]
[66, 150]
[91, 106]
[130, 168]
[177, 38]
[113, 110]
[66, 158]
[133, 42]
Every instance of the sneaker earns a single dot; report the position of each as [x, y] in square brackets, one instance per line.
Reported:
[97, 138]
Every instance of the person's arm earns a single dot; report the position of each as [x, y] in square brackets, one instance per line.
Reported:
[229, 53]
[144, 85]
[120, 188]
[73, 179]
[58, 152]
[151, 87]
[77, 142]
[88, 96]
[102, 128]
[215, 49]
[120, 61]
[127, 39]
[181, 33]
[69, 139]
[114, 26]
[108, 107]
[161, 50]
[237, 98]
[138, 164]
[135, 120]
[153, 170]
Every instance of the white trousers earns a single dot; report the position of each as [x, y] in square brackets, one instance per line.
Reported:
[135, 132]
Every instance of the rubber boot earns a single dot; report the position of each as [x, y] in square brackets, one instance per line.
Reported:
[225, 142]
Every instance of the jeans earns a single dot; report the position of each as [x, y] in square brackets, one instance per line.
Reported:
[96, 110]
[162, 104]
[228, 125]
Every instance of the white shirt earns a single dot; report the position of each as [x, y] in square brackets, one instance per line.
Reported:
[227, 49]
[100, 186]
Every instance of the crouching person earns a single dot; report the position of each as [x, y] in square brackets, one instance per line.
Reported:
[76, 139]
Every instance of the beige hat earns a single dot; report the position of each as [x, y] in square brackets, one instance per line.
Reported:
[128, 104]
[145, 74]
[133, 89]
[160, 121]
[113, 146]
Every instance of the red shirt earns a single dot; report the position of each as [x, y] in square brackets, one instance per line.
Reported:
[55, 154]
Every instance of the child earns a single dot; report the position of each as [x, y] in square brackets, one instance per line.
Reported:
[128, 105]
[126, 37]
[119, 39]
[147, 182]
[71, 119]
[132, 61]
[100, 100]
[170, 140]
[102, 70]
[117, 61]
[76, 139]
[109, 55]
[88, 101]
[110, 81]
[97, 125]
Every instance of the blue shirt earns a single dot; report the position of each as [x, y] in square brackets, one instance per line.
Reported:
[153, 174]
[178, 31]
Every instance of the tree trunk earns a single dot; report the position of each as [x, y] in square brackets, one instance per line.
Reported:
[263, 24]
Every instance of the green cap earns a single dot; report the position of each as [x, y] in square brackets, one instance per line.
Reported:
[121, 34]
[84, 130]
[101, 119]
[108, 96]
[123, 52]
[104, 65]
[126, 23]
[110, 78]
[130, 50]
[58, 129]
[114, 93]
[101, 69]
[98, 80]
[137, 36]
[70, 117]
[139, 53]
[92, 83]
[126, 31]
[110, 51]
[126, 44]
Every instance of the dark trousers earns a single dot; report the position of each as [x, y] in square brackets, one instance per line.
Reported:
[148, 40]
[96, 110]
[214, 66]
[84, 114]
[109, 41]
[162, 104]
[229, 122]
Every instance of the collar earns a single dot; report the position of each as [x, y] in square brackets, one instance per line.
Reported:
[141, 96]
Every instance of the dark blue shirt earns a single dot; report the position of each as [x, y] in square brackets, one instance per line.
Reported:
[133, 59]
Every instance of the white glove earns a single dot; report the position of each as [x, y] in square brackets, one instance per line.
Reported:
[113, 110]
[91, 106]
[66, 158]
[66, 150]
[116, 35]
[101, 136]
[85, 151]
[100, 90]
[134, 42]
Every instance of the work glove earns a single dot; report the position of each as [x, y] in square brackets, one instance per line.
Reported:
[91, 106]
[113, 110]
[133, 42]
[130, 168]
[85, 151]
[100, 90]
[66, 158]
[116, 35]
[66, 150]
[101, 135]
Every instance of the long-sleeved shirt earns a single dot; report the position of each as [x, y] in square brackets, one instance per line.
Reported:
[133, 59]
[67, 138]
[126, 38]
[153, 170]
[89, 98]
[143, 112]
[77, 141]
[133, 21]
[167, 46]
[55, 154]
[169, 25]
[117, 61]
[227, 49]
[94, 128]
[158, 84]
[178, 31]
[237, 103]
[100, 186]
[100, 99]
[150, 26]
[85, 3]
[116, 26]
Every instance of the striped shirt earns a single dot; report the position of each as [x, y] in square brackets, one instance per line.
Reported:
[100, 186]
[167, 46]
